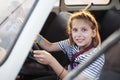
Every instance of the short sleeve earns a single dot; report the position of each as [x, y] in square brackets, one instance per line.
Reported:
[64, 45]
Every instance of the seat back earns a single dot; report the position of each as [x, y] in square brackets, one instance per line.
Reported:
[110, 23]
[56, 31]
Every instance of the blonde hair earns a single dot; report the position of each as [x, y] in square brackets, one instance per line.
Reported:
[86, 15]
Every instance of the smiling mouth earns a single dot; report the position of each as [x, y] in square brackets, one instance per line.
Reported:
[79, 40]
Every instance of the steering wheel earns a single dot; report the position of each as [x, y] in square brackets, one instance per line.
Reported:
[34, 47]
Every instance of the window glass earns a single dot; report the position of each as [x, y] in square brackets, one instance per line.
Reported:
[13, 15]
[84, 2]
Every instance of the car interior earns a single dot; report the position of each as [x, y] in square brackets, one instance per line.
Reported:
[54, 30]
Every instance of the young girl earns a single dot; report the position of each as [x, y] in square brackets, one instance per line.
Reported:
[84, 40]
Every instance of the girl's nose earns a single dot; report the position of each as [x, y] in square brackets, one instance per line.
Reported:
[79, 33]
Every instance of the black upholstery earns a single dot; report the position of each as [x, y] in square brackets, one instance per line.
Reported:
[110, 23]
[56, 31]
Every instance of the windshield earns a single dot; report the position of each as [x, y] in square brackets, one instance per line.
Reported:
[13, 15]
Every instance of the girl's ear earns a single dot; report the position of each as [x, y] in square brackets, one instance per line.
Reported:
[94, 33]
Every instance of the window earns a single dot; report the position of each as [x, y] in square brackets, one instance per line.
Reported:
[12, 19]
[84, 2]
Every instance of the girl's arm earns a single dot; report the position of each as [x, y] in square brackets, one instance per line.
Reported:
[46, 58]
[47, 45]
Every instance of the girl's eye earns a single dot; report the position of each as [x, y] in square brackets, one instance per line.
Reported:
[74, 29]
[84, 29]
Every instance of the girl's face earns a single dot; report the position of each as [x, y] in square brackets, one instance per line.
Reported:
[82, 33]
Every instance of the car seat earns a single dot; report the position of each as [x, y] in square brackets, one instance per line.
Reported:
[111, 23]
[56, 31]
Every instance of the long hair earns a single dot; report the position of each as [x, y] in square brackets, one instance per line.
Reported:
[85, 15]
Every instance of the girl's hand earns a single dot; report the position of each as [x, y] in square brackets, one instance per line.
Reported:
[43, 57]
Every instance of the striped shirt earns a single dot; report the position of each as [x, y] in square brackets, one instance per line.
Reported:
[92, 72]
